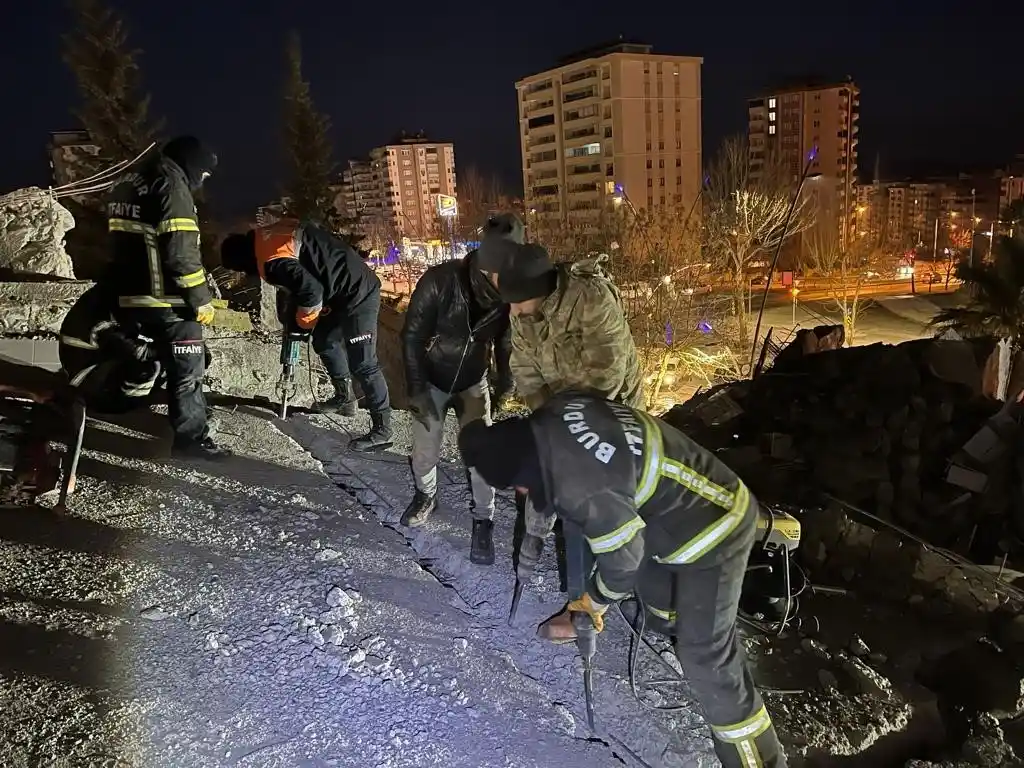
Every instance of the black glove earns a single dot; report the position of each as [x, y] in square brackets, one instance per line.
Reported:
[423, 409]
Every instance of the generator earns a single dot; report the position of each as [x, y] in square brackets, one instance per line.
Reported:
[773, 582]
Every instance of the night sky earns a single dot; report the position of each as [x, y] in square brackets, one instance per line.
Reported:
[941, 88]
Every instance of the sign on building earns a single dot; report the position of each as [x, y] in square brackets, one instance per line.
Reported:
[447, 206]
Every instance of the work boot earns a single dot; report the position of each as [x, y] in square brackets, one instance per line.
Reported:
[419, 509]
[205, 448]
[558, 629]
[481, 549]
[530, 549]
[379, 436]
[344, 400]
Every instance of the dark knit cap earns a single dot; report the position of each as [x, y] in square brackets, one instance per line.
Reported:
[527, 275]
[504, 454]
[500, 235]
[193, 157]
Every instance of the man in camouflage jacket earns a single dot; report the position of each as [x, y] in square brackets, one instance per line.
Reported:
[569, 332]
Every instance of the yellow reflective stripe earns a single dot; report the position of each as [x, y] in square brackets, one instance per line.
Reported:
[177, 225]
[697, 483]
[71, 341]
[653, 451]
[750, 728]
[749, 754]
[137, 391]
[666, 615]
[150, 301]
[611, 594]
[192, 279]
[156, 274]
[80, 376]
[713, 535]
[127, 225]
[617, 538]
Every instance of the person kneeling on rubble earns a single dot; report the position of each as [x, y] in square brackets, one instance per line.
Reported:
[332, 294]
[647, 497]
[112, 370]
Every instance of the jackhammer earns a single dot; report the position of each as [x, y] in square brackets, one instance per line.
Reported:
[291, 347]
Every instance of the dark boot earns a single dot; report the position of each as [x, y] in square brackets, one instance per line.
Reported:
[379, 436]
[481, 549]
[199, 449]
[344, 400]
[419, 509]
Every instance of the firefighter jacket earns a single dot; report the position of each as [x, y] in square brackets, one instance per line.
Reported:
[90, 335]
[638, 487]
[315, 268]
[453, 320]
[579, 340]
[154, 233]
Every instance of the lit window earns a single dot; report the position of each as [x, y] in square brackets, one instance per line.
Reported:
[771, 130]
[771, 117]
[771, 103]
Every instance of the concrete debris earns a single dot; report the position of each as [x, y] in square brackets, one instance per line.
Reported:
[984, 747]
[32, 229]
[994, 685]
[878, 427]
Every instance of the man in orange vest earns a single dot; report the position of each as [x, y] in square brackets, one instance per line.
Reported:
[332, 294]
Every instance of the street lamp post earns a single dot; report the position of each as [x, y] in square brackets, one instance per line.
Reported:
[974, 223]
[795, 292]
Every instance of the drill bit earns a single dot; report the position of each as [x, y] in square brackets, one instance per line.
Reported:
[586, 643]
[517, 595]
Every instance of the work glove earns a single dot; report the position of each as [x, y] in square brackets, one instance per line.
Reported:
[592, 608]
[502, 399]
[205, 314]
[423, 409]
[530, 549]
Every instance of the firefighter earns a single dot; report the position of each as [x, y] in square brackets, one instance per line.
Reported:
[331, 293]
[112, 370]
[645, 495]
[569, 332]
[159, 277]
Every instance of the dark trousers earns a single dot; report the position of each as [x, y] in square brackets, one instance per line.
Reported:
[346, 341]
[179, 344]
[705, 597]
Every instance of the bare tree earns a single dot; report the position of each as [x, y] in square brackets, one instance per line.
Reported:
[478, 195]
[745, 210]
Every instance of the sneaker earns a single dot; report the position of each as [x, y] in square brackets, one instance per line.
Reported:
[378, 438]
[199, 449]
[481, 550]
[419, 509]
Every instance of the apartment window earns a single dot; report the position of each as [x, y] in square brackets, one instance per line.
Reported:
[647, 69]
[608, 112]
[607, 92]
[662, 199]
[539, 122]
[678, 198]
[407, 172]
[679, 106]
[771, 103]
[661, 145]
[661, 106]
[650, 182]
[771, 130]
[608, 132]
[679, 162]
[771, 117]
[648, 163]
[648, 146]
[679, 181]
[405, 152]
[679, 126]
[407, 162]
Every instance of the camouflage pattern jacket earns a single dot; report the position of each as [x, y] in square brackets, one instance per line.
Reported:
[579, 340]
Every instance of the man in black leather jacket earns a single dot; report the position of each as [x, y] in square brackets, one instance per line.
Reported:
[454, 321]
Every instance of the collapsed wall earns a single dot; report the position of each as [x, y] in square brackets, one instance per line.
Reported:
[32, 229]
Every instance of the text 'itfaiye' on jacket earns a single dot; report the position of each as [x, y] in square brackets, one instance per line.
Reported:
[314, 268]
[660, 495]
[154, 231]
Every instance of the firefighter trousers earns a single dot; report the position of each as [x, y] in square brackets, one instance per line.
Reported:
[706, 599]
[182, 352]
[346, 341]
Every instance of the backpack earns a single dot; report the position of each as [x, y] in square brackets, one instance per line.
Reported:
[590, 268]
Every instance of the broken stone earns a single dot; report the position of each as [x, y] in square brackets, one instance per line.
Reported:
[32, 229]
[858, 647]
[338, 598]
[868, 681]
[154, 613]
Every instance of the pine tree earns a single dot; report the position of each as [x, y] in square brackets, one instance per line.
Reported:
[310, 154]
[113, 108]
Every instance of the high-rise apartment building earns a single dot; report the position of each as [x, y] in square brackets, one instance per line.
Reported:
[607, 120]
[69, 153]
[398, 187]
[789, 123]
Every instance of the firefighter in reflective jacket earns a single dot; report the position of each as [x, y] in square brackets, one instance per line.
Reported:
[111, 369]
[159, 277]
[331, 293]
[647, 497]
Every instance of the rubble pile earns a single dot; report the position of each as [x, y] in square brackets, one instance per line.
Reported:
[32, 229]
[881, 427]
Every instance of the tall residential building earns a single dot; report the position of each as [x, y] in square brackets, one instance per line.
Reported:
[789, 123]
[608, 120]
[69, 154]
[396, 190]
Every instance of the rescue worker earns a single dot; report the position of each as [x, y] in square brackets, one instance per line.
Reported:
[330, 292]
[645, 495]
[454, 321]
[159, 277]
[112, 370]
[569, 332]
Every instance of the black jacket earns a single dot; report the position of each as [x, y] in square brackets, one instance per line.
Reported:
[454, 318]
[324, 272]
[638, 487]
[154, 233]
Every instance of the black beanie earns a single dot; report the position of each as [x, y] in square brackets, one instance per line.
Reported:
[238, 253]
[193, 157]
[529, 274]
[504, 454]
